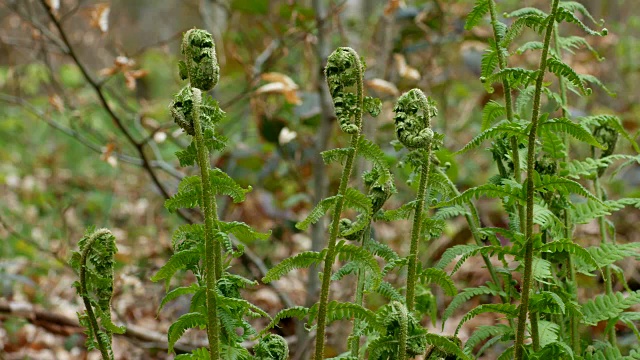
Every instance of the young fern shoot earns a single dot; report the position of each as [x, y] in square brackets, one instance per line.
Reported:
[216, 303]
[413, 128]
[94, 264]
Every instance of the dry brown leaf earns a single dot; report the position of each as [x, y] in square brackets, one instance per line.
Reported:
[56, 102]
[392, 6]
[100, 17]
[280, 84]
[383, 86]
[404, 69]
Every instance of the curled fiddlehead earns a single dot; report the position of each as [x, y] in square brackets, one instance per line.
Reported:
[413, 129]
[413, 119]
[607, 136]
[271, 347]
[402, 337]
[200, 65]
[343, 70]
[94, 264]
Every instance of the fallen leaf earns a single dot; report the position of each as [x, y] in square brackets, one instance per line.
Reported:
[383, 86]
[404, 69]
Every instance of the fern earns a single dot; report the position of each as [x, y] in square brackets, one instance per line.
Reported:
[509, 310]
[464, 296]
[561, 69]
[439, 277]
[480, 9]
[577, 130]
[182, 324]
[608, 306]
[503, 128]
[302, 260]
[491, 111]
[317, 213]
[483, 332]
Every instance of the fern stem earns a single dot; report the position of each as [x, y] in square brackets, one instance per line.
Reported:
[508, 102]
[335, 222]
[416, 230]
[404, 331]
[95, 329]
[212, 247]
[573, 322]
[528, 256]
[359, 300]
[535, 337]
[604, 238]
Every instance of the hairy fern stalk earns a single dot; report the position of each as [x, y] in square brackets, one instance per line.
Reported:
[216, 303]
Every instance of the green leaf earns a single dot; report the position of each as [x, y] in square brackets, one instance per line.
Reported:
[605, 307]
[480, 9]
[301, 260]
[577, 130]
[484, 332]
[177, 261]
[333, 155]
[464, 296]
[502, 129]
[188, 195]
[318, 212]
[184, 322]
[177, 292]
[447, 346]
[439, 277]
[487, 190]
[509, 310]
[223, 184]
[298, 312]
[491, 111]
[242, 231]
[562, 70]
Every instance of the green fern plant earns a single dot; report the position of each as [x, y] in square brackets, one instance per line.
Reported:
[206, 250]
[94, 263]
[541, 219]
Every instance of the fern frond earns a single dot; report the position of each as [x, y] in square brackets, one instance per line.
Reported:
[515, 76]
[348, 269]
[403, 212]
[345, 311]
[585, 212]
[480, 9]
[388, 291]
[318, 212]
[524, 100]
[611, 121]
[594, 80]
[605, 307]
[333, 155]
[503, 128]
[576, 42]
[439, 277]
[547, 302]
[577, 130]
[223, 184]
[182, 324]
[566, 14]
[535, 20]
[484, 332]
[372, 152]
[541, 269]
[487, 190]
[446, 346]
[298, 312]
[509, 310]
[464, 296]
[458, 250]
[242, 231]
[177, 292]
[301, 260]
[187, 196]
[350, 252]
[547, 183]
[489, 61]
[491, 111]
[529, 46]
[568, 246]
[606, 254]
[450, 212]
[562, 70]
[197, 354]
[177, 261]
